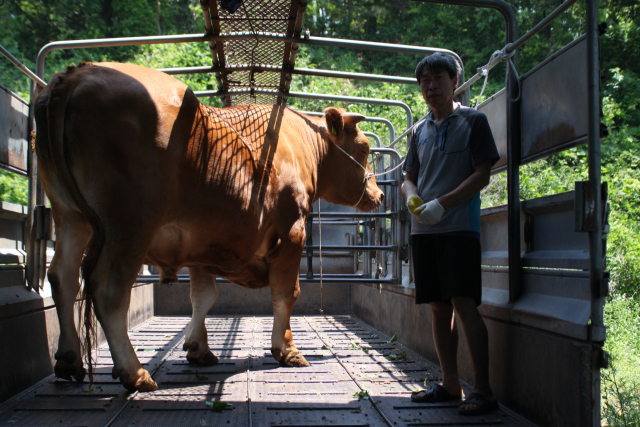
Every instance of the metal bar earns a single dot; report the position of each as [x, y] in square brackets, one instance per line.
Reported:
[374, 136]
[321, 96]
[298, 71]
[535, 30]
[355, 76]
[32, 244]
[211, 37]
[218, 55]
[596, 252]
[387, 47]
[291, 49]
[309, 242]
[514, 154]
[355, 215]
[22, 67]
[477, 76]
[212, 44]
[184, 278]
[350, 248]
[392, 130]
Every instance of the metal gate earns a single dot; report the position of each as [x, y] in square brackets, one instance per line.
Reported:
[544, 282]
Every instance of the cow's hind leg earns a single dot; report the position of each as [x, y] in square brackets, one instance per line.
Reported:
[204, 294]
[72, 234]
[110, 285]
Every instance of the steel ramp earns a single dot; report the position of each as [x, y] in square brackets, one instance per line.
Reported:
[346, 356]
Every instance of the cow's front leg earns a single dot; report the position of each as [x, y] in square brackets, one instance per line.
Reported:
[204, 294]
[285, 288]
[282, 347]
[110, 286]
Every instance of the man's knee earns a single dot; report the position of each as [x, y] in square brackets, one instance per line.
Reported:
[465, 306]
[441, 310]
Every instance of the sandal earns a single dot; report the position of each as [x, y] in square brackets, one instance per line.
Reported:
[434, 394]
[483, 405]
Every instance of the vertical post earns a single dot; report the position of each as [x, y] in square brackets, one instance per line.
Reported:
[513, 172]
[597, 330]
[33, 248]
[309, 230]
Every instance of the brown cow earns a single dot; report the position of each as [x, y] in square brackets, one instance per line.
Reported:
[139, 171]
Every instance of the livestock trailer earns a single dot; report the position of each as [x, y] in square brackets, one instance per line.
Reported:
[369, 344]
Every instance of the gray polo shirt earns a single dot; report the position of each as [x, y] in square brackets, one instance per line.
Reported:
[442, 157]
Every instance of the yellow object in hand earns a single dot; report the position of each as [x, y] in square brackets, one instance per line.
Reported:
[414, 203]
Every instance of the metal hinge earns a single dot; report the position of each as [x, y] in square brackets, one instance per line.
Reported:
[403, 253]
[585, 207]
[43, 223]
[598, 333]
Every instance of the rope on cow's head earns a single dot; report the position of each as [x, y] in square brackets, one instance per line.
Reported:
[367, 174]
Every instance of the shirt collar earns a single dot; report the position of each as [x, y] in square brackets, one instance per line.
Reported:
[455, 113]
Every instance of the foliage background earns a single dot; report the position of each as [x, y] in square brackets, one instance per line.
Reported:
[473, 33]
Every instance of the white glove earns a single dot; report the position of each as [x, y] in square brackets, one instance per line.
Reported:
[430, 213]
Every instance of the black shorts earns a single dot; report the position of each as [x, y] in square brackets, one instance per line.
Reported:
[446, 266]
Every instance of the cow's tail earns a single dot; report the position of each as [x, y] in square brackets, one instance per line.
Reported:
[60, 90]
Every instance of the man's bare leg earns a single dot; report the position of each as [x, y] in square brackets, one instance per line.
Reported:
[445, 336]
[475, 332]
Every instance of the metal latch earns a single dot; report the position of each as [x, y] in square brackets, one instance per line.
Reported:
[43, 223]
[585, 207]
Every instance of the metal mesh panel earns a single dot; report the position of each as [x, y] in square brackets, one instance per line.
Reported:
[253, 99]
[269, 16]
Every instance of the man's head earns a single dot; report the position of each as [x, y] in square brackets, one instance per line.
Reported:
[437, 76]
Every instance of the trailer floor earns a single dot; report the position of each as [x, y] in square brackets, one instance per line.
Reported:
[346, 356]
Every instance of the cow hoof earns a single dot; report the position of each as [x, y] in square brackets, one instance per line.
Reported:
[69, 366]
[296, 360]
[141, 381]
[207, 359]
[69, 372]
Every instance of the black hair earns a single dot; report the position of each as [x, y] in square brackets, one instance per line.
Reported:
[437, 63]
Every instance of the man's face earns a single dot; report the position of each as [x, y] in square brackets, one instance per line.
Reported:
[437, 88]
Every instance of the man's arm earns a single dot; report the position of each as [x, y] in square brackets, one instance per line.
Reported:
[467, 189]
[409, 186]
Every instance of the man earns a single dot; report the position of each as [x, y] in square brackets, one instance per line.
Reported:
[448, 162]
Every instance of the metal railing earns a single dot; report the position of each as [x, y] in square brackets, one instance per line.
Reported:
[319, 96]
[377, 241]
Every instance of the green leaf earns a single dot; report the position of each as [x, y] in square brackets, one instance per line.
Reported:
[397, 357]
[221, 406]
[326, 347]
[201, 377]
[393, 339]
[362, 394]
[88, 389]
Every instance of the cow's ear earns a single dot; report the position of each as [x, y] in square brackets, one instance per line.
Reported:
[335, 122]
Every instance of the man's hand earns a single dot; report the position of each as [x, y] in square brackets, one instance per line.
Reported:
[413, 202]
[430, 213]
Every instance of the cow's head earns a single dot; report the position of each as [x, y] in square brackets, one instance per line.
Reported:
[350, 182]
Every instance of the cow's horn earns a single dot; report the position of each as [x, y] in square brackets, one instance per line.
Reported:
[352, 119]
